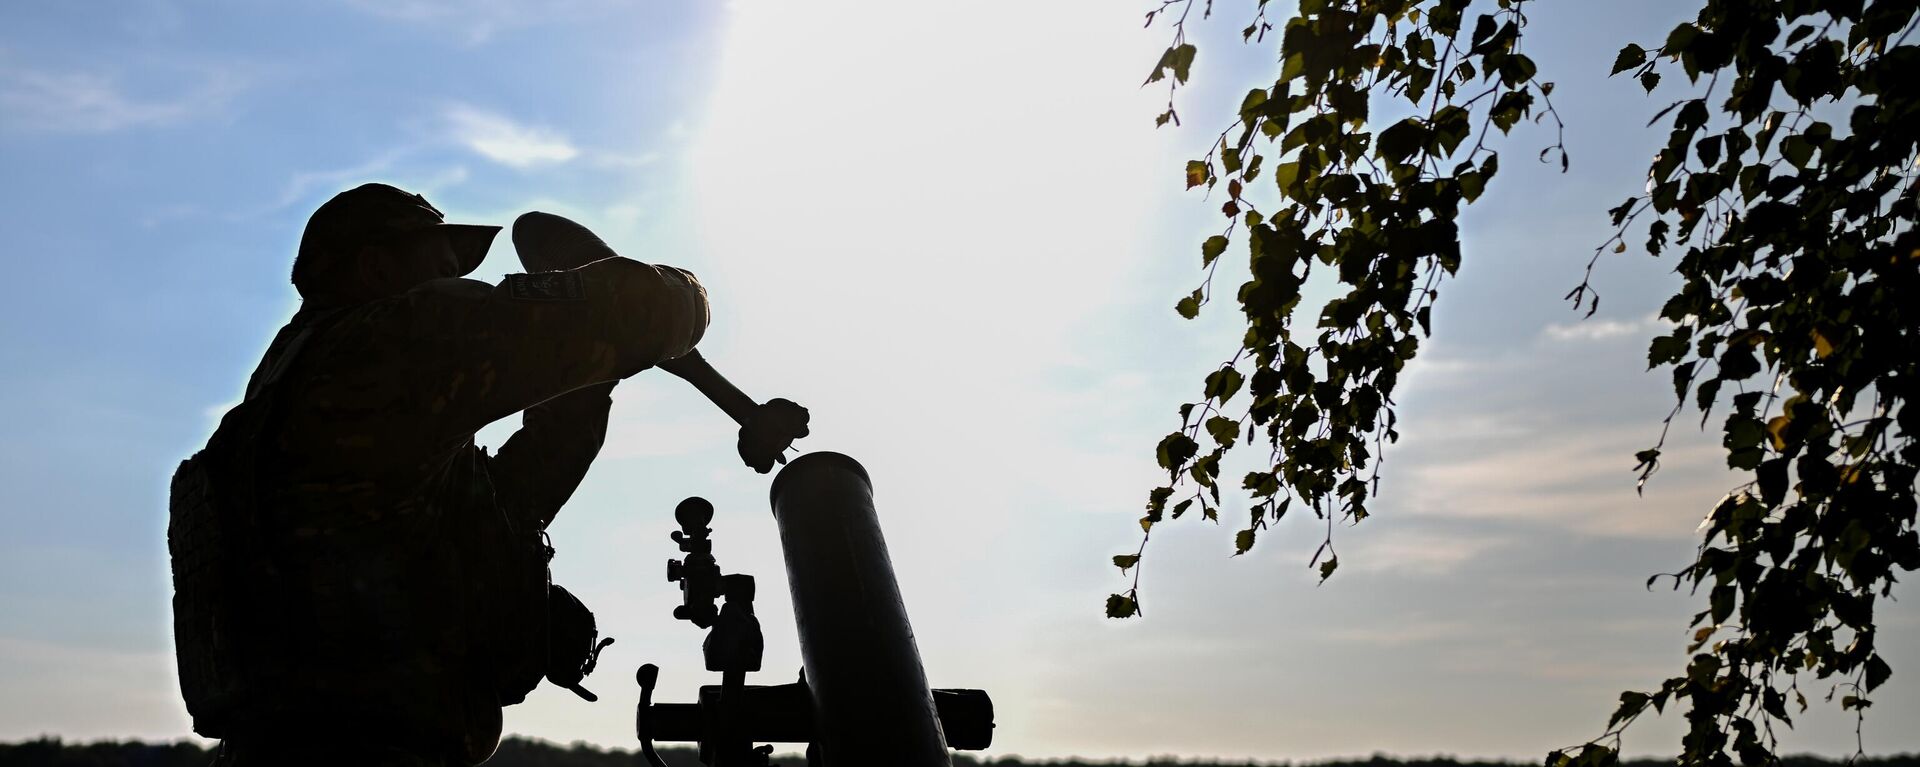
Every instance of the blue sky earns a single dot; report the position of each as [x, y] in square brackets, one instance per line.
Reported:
[955, 236]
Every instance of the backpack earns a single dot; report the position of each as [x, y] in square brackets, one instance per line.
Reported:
[227, 587]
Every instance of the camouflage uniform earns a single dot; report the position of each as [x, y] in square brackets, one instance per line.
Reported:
[393, 551]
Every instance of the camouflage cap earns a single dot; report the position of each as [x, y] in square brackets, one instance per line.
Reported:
[371, 214]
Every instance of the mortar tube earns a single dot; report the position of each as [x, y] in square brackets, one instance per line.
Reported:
[871, 703]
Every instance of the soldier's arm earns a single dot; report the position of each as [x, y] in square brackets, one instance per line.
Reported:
[540, 466]
[547, 242]
[487, 352]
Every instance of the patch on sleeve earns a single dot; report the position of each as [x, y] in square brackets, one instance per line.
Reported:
[546, 286]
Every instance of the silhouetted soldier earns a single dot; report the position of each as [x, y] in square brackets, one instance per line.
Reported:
[358, 583]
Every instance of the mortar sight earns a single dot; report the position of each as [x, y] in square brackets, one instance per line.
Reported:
[694, 514]
[863, 698]
[698, 574]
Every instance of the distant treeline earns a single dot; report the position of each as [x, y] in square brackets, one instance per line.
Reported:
[523, 752]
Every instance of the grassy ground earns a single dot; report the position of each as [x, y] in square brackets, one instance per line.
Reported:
[521, 752]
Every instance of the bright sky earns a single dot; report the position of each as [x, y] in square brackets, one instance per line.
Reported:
[956, 236]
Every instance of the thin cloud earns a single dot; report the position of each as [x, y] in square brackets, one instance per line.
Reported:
[1583, 483]
[1600, 330]
[1546, 433]
[502, 140]
[304, 183]
[94, 102]
[1417, 631]
[394, 166]
[477, 22]
[1419, 554]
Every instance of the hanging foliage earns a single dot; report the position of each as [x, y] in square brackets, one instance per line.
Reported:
[1786, 191]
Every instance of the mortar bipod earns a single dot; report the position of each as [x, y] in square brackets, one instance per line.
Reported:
[863, 697]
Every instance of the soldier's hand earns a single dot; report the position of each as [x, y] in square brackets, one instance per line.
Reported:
[773, 427]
